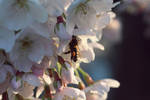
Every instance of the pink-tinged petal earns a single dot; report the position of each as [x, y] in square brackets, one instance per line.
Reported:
[37, 71]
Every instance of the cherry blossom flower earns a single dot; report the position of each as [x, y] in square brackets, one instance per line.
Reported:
[55, 7]
[18, 14]
[29, 48]
[38, 54]
[86, 13]
[70, 94]
[80, 13]
[99, 90]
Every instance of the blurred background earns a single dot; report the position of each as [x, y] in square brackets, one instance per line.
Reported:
[127, 52]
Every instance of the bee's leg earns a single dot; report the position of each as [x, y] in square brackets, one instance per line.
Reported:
[67, 52]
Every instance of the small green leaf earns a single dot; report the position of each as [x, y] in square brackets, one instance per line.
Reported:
[77, 73]
[64, 15]
[59, 67]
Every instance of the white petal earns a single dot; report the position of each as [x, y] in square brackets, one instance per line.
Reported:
[68, 74]
[31, 79]
[111, 83]
[55, 7]
[9, 69]
[97, 45]
[7, 39]
[16, 18]
[70, 92]
[87, 55]
[23, 64]
[48, 47]
[37, 11]
[43, 29]
[103, 21]
[39, 91]
[103, 87]
[47, 79]
[62, 33]
[102, 5]
[37, 52]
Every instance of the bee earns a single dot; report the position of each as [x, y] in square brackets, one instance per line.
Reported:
[74, 49]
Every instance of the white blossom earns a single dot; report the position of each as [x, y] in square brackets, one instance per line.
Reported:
[29, 48]
[18, 14]
[55, 7]
[69, 93]
[86, 14]
[99, 90]
[45, 29]
[81, 14]
[86, 48]
[43, 42]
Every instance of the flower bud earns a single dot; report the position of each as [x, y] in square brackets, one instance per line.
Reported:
[81, 85]
[88, 79]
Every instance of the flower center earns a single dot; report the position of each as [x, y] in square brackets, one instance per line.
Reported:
[83, 7]
[22, 3]
[26, 43]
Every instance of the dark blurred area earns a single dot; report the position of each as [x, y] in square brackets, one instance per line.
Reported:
[133, 59]
[127, 61]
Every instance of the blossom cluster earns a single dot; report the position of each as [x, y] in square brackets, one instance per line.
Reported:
[43, 42]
